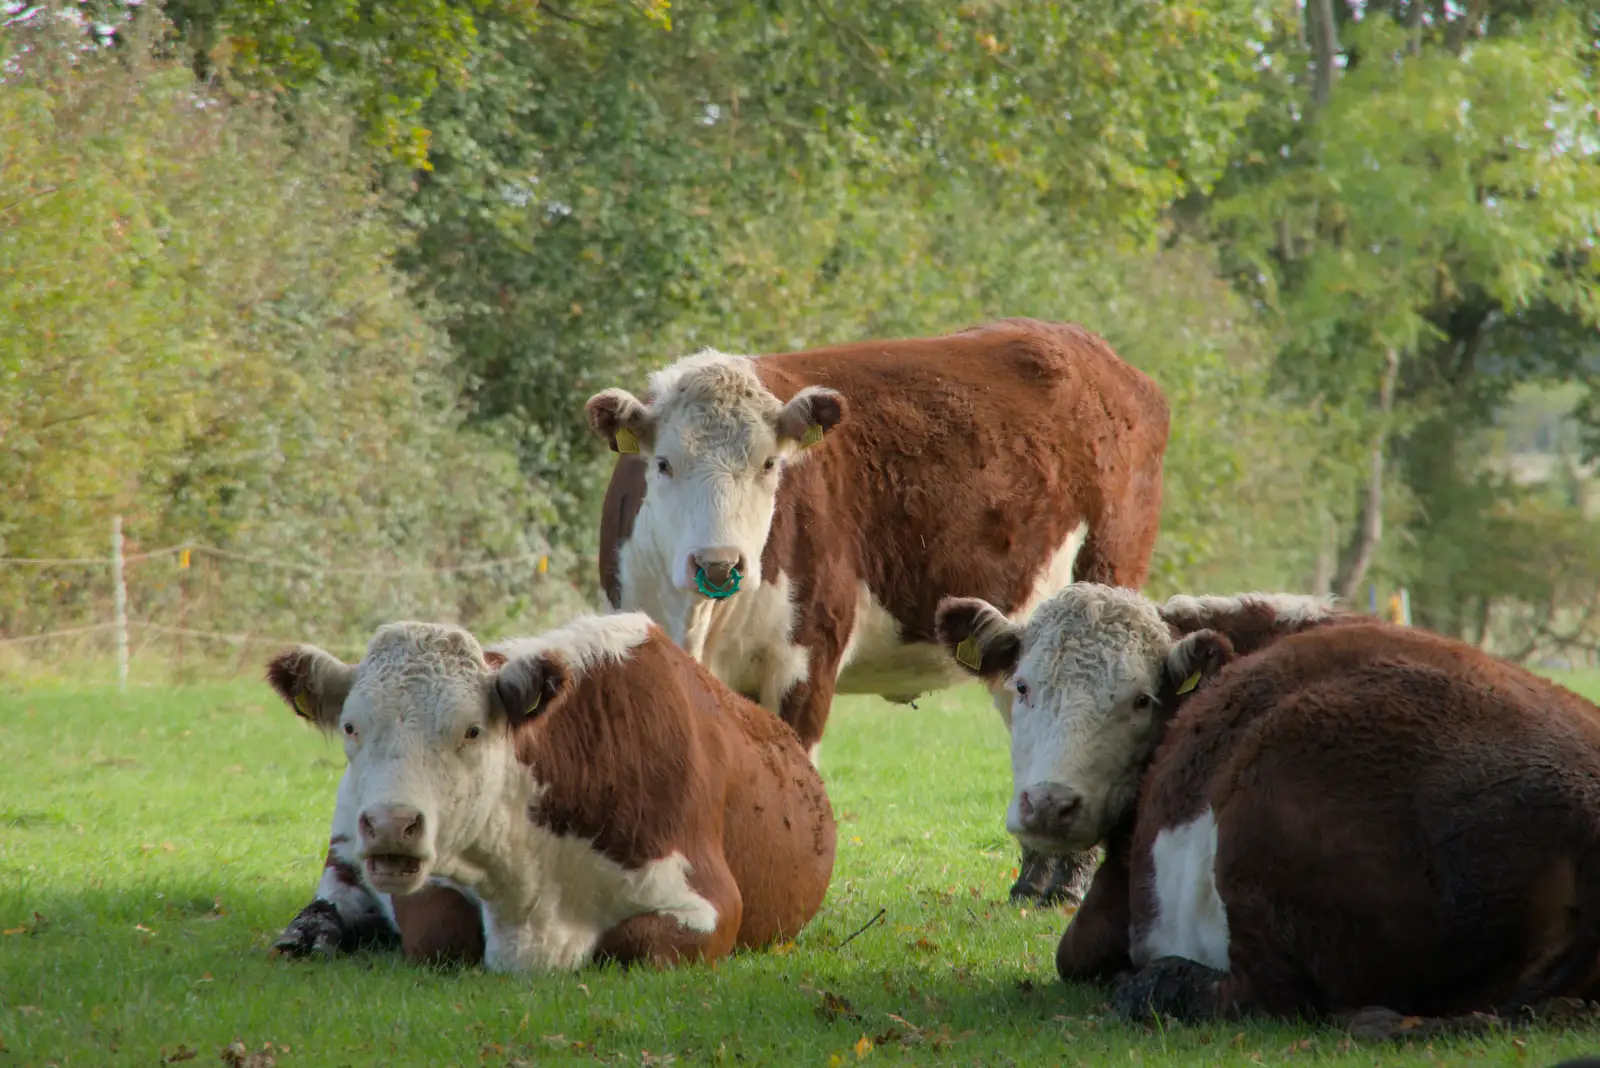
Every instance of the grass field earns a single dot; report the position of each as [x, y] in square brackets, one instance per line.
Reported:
[152, 846]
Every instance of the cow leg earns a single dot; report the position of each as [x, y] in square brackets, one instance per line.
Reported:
[1053, 880]
[346, 914]
[805, 707]
[439, 925]
[343, 917]
[664, 942]
[1095, 944]
[1172, 986]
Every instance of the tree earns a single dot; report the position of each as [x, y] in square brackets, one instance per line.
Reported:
[207, 335]
[1424, 237]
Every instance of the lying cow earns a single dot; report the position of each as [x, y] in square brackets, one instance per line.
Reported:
[798, 551]
[594, 792]
[1355, 815]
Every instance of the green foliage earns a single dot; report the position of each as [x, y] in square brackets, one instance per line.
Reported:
[206, 335]
[1431, 179]
[153, 846]
[1442, 205]
[590, 171]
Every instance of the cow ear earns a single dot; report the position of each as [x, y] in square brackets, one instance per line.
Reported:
[313, 683]
[978, 635]
[1193, 660]
[809, 416]
[528, 685]
[621, 420]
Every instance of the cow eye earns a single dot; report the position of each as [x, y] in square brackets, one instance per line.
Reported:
[663, 467]
[1143, 702]
[772, 462]
[1021, 688]
[350, 729]
[473, 731]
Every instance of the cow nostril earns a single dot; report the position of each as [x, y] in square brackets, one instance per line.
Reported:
[367, 829]
[1025, 806]
[413, 828]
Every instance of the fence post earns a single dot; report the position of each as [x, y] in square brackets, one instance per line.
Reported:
[120, 595]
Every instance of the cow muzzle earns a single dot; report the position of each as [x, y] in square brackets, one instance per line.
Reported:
[394, 847]
[717, 572]
[1047, 817]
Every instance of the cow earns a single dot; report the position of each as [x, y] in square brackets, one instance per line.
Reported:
[1356, 817]
[589, 794]
[793, 520]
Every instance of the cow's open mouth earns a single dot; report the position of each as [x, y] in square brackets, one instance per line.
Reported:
[393, 867]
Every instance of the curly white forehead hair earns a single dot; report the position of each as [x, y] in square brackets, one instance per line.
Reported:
[1088, 635]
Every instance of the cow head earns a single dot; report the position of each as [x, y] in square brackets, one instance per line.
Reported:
[428, 724]
[1093, 675]
[717, 442]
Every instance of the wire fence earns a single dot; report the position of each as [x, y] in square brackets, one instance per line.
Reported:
[194, 609]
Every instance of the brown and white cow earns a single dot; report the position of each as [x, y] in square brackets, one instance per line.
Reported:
[1352, 815]
[850, 488]
[589, 793]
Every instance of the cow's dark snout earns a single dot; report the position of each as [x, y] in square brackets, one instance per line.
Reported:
[1048, 810]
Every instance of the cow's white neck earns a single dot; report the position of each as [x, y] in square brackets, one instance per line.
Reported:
[548, 899]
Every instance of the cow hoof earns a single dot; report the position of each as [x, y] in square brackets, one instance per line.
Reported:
[1044, 881]
[1171, 986]
[316, 931]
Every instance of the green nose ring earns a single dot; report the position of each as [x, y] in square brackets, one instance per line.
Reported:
[717, 593]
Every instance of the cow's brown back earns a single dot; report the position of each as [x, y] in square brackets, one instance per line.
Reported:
[966, 461]
[654, 756]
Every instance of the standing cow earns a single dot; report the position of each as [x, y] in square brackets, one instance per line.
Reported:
[592, 792]
[793, 520]
[1357, 814]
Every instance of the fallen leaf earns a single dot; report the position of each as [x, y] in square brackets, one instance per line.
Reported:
[925, 945]
[235, 1055]
[182, 1053]
[142, 927]
[833, 1007]
[862, 1047]
[558, 1041]
[29, 1010]
[14, 930]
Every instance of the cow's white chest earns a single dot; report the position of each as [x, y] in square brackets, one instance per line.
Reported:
[1190, 919]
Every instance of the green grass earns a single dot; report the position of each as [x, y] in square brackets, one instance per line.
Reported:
[152, 846]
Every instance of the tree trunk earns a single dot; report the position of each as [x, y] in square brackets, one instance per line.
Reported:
[1325, 45]
[1358, 554]
[1327, 555]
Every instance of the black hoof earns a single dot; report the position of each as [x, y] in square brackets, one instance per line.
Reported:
[1171, 986]
[1048, 881]
[317, 931]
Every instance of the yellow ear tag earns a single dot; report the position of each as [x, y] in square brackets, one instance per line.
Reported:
[302, 704]
[627, 440]
[813, 436]
[967, 653]
[1190, 683]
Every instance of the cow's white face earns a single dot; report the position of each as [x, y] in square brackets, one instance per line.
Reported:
[717, 442]
[428, 731]
[1088, 674]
